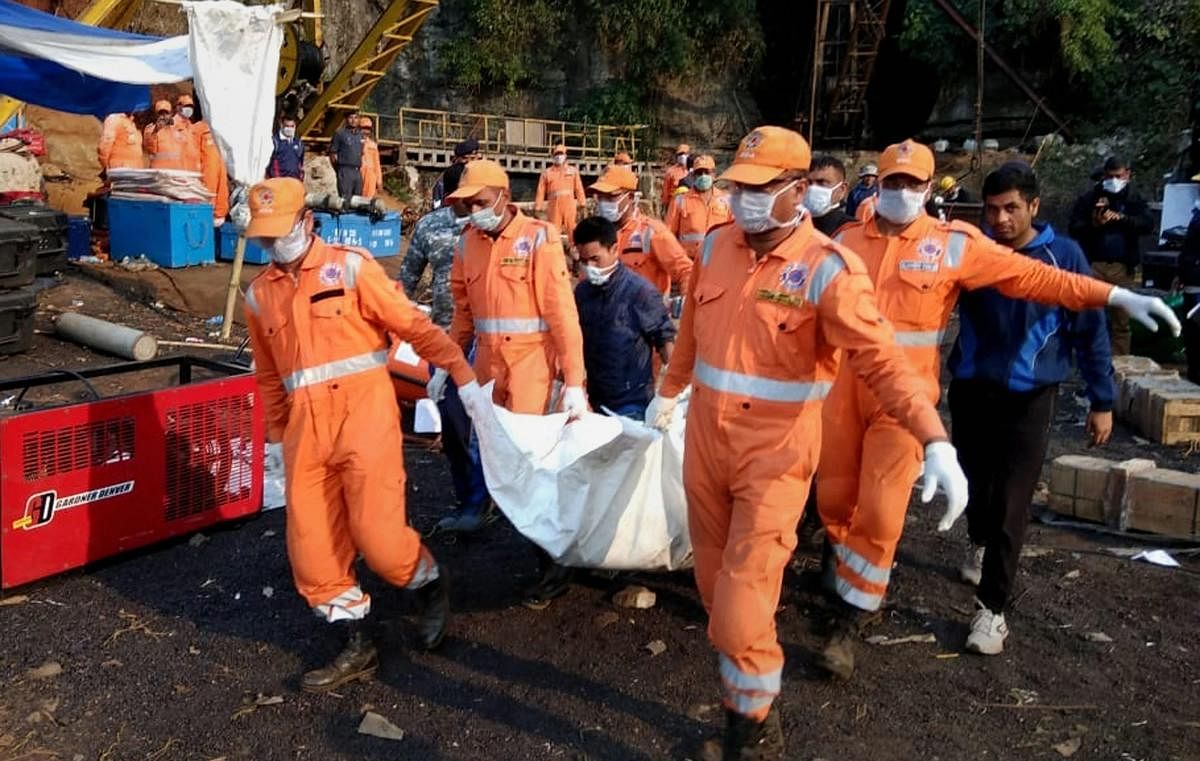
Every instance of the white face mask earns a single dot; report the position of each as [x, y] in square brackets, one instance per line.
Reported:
[752, 209]
[461, 222]
[600, 276]
[560, 159]
[288, 132]
[1114, 185]
[819, 199]
[900, 206]
[292, 246]
[609, 209]
[487, 219]
[681, 159]
[187, 112]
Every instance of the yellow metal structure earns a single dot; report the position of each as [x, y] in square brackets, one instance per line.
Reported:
[114, 14]
[511, 135]
[349, 88]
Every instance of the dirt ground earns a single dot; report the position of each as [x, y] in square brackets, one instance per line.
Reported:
[165, 652]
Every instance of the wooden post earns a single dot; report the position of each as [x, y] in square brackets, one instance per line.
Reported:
[235, 280]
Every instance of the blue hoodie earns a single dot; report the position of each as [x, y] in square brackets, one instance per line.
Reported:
[1022, 345]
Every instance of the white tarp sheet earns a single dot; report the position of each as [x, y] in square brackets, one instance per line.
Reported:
[235, 59]
[602, 492]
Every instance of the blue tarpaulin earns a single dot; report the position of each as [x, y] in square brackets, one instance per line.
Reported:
[61, 64]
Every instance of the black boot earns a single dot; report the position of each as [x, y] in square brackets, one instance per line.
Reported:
[837, 654]
[358, 660]
[434, 602]
[828, 569]
[749, 740]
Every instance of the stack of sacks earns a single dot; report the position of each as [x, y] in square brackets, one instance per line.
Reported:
[158, 185]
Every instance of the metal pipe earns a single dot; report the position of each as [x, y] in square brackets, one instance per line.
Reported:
[1011, 73]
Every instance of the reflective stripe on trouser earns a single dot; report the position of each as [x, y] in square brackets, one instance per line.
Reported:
[344, 460]
[351, 605]
[919, 337]
[691, 238]
[339, 368]
[746, 478]
[867, 474]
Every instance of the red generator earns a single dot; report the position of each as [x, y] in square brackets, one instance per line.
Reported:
[81, 481]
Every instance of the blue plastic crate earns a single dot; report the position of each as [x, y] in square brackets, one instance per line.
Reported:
[79, 237]
[381, 238]
[168, 234]
[227, 244]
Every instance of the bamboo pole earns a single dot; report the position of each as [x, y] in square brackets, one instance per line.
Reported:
[235, 280]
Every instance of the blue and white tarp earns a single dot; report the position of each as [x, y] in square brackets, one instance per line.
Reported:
[68, 66]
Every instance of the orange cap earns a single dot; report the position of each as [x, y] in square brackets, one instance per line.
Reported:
[560, 148]
[274, 205]
[705, 162]
[185, 100]
[365, 121]
[480, 174]
[622, 158]
[909, 157]
[615, 179]
[682, 148]
[163, 105]
[766, 153]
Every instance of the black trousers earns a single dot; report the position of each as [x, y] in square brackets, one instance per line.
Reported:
[1001, 437]
[349, 180]
[1191, 334]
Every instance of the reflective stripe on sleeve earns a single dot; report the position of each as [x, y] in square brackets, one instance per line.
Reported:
[250, 300]
[427, 571]
[766, 389]
[706, 250]
[691, 237]
[339, 368]
[955, 248]
[918, 337]
[827, 270]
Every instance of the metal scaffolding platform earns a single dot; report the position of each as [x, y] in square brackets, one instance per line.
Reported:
[848, 34]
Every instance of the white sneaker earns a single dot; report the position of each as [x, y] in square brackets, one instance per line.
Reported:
[971, 570]
[988, 632]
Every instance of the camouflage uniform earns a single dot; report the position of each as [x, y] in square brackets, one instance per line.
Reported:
[432, 244]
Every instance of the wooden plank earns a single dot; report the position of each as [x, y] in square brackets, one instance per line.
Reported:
[1078, 486]
[1163, 502]
[1167, 410]
[1126, 385]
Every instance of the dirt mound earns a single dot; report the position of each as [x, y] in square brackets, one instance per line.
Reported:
[71, 146]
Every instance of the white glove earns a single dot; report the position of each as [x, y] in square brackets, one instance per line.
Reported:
[660, 411]
[574, 402]
[1144, 309]
[942, 469]
[473, 398]
[436, 387]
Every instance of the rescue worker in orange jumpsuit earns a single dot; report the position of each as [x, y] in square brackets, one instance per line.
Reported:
[372, 170]
[645, 244]
[319, 319]
[168, 141]
[675, 172]
[120, 145]
[696, 211]
[869, 460]
[773, 308]
[513, 297]
[560, 192]
[212, 166]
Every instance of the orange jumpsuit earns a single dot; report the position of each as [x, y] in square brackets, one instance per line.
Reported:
[513, 296]
[212, 169]
[648, 248]
[172, 146]
[671, 178]
[120, 144]
[372, 170]
[869, 462]
[320, 349]
[761, 341]
[693, 214]
[563, 188]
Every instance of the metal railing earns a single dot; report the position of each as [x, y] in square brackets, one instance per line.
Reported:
[442, 130]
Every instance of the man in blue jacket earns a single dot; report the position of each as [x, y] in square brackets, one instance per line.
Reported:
[1007, 363]
[287, 160]
[624, 322]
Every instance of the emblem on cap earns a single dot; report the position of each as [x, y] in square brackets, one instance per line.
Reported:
[794, 276]
[752, 141]
[903, 153]
[264, 197]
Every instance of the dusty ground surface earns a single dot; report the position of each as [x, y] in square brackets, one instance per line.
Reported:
[164, 652]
